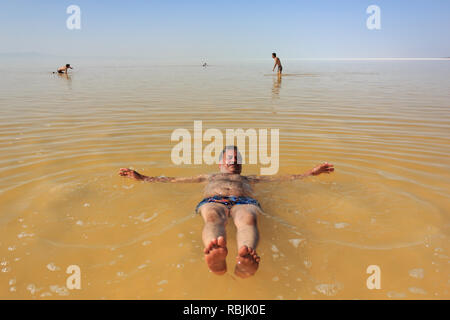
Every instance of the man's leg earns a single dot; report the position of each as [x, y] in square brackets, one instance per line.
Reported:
[245, 219]
[214, 236]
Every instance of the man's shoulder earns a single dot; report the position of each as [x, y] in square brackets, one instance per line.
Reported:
[211, 176]
[250, 178]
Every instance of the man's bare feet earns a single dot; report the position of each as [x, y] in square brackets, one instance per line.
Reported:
[247, 262]
[215, 255]
[125, 172]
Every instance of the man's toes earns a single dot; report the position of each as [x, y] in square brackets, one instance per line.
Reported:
[214, 244]
[255, 257]
[221, 242]
[209, 247]
[243, 251]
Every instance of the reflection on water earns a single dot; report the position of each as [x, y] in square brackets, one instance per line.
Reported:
[276, 87]
[384, 125]
[67, 78]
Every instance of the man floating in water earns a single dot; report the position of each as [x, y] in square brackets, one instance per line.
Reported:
[277, 63]
[229, 194]
[64, 69]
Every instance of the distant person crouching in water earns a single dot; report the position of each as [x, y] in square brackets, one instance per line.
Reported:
[64, 69]
[277, 63]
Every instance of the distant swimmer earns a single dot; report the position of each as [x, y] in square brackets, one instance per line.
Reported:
[205, 65]
[64, 69]
[229, 194]
[277, 63]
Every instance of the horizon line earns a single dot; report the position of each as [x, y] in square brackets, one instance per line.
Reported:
[49, 55]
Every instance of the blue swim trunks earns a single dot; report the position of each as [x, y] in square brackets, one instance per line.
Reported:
[229, 201]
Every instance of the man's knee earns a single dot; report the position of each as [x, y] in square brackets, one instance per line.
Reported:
[213, 215]
[245, 218]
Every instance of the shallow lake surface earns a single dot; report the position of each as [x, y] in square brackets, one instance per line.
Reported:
[385, 125]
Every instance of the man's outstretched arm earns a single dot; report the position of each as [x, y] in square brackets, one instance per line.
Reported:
[125, 172]
[321, 168]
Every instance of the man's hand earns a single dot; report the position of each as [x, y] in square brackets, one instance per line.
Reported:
[125, 172]
[322, 168]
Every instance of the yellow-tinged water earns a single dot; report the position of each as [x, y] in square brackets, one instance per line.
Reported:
[385, 125]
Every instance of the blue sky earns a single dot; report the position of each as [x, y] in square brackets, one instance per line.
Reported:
[227, 29]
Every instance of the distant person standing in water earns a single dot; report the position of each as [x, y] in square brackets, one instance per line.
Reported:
[64, 69]
[277, 63]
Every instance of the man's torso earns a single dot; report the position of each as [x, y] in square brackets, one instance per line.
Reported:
[228, 185]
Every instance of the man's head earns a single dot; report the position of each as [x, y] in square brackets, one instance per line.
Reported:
[68, 66]
[230, 160]
[274, 55]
